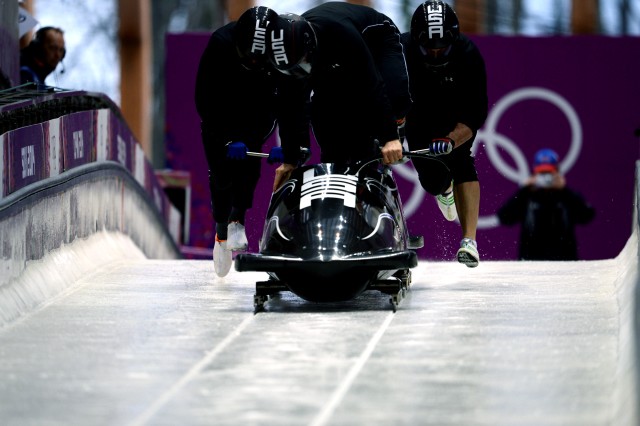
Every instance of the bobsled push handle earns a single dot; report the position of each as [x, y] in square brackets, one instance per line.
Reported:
[305, 154]
[257, 154]
[424, 154]
[407, 155]
[426, 151]
[420, 153]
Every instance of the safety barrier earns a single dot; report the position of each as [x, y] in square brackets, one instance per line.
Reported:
[78, 172]
[51, 134]
[627, 390]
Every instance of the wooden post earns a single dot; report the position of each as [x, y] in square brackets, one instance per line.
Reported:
[584, 17]
[235, 8]
[471, 15]
[135, 69]
[29, 6]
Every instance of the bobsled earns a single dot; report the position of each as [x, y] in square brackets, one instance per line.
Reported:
[334, 231]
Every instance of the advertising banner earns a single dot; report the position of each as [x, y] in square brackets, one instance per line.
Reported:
[78, 139]
[26, 156]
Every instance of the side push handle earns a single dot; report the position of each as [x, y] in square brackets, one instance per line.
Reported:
[257, 154]
[305, 154]
[426, 151]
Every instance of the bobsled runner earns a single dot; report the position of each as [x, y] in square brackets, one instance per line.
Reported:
[332, 232]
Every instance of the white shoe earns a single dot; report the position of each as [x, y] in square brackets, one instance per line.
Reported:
[468, 253]
[447, 205]
[222, 258]
[236, 237]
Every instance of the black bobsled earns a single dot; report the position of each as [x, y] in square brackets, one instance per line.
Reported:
[334, 231]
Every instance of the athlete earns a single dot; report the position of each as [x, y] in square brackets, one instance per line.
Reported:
[235, 98]
[345, 75]
[449, 92]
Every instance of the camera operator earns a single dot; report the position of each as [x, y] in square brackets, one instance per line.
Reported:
[547, 211]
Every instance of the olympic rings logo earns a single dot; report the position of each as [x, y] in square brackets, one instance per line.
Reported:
[492, 140]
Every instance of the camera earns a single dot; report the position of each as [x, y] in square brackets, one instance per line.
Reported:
[544, 180]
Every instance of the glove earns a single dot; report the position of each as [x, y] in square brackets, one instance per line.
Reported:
[237, 151]
[276, 155]
[441, 146]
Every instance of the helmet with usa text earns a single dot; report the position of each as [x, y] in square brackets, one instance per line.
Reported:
[293, 43]
[250, 35]
[434, 25]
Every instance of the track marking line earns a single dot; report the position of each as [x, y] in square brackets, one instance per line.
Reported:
[339, 394]
[194, 371]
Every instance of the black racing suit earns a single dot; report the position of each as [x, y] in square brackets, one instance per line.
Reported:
[547, 218]
[235, 105]
[442, 97]
[359, 83]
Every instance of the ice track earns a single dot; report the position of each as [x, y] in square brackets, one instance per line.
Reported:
[151, 342]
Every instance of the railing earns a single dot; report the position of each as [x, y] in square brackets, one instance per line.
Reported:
[47, 133]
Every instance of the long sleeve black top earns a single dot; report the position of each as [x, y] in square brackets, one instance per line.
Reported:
[234, 103]
[344, 77]
[447, 95]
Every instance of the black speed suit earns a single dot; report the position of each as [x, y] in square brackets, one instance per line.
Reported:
[442, 97]
[359, 82]
[548, 218]
[235, 105]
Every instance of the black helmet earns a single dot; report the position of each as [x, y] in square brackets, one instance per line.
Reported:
[250, 35]
[293, 43]
[434, 25]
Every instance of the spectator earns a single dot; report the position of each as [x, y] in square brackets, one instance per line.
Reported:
[547, 211]
[449, 92]
[42, 56]
[350, 57]
[235, 98]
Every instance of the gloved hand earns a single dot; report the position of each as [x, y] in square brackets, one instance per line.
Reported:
[276, 155]
[441, 146]
[237, 151]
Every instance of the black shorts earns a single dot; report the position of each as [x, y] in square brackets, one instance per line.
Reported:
[461, 164]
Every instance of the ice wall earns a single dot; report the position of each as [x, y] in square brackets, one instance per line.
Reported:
[45, 219]
[626, 399]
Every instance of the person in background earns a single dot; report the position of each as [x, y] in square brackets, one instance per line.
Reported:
[449, 90]
[5, 81]
[42, 56]
[547, 211]
[235, 99]
[344, 73]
